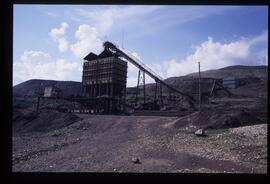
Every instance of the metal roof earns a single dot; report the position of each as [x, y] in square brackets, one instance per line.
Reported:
[90, 56]
[105, 53]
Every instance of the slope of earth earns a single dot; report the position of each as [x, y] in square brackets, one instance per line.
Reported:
[250, 77]
[27, 120]
[109, 143]
[30, 87]
[239, 71]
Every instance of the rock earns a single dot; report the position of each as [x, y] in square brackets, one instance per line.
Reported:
[135, 160]
[185, 171]
[200, 132]
[163, 108]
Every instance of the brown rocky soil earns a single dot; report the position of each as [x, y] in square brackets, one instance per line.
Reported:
[107, 143]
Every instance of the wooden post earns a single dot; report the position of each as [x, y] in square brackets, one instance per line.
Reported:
[38, 104]
[73, 106]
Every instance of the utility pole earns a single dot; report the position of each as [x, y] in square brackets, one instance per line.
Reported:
[199, 88]
[39, 94]
[38, 101]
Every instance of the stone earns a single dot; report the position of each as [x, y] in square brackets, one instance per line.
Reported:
[135, 160]
[200, 132]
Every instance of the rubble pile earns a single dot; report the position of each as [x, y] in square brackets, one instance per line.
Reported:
[43, 121]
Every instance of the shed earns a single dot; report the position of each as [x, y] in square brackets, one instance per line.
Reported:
[230, 82]
[52, 91]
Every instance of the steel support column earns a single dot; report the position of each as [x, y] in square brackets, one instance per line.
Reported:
[160, 86]
[138, 83]
[143, 87]
[156, 88]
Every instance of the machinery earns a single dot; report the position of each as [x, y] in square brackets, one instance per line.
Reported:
[126, 55]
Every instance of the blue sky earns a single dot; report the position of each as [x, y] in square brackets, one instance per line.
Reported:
[49, 41]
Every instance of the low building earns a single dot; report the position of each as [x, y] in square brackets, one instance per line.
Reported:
[52, 91]
[230, 82]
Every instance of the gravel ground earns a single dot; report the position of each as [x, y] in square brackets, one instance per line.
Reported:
[109, 143]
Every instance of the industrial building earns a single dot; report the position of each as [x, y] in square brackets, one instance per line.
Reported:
[104, 78]
[104, 81]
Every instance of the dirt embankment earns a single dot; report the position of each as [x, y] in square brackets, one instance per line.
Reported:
[28, 120]
[219, 119]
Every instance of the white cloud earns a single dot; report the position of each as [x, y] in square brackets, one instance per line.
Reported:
[175, 15]
[104, 19]
[88, 40]
[89, 37]
[214, 55]
[58, 35]
[40, 65]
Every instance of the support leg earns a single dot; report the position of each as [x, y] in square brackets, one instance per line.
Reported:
[156, 88]
[161, 94]
[143, 87]
[138, 90]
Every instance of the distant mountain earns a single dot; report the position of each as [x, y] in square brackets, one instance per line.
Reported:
[245, 67]
[255, 76]
[30, 87]
[238, 71]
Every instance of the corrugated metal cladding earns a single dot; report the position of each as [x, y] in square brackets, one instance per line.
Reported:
[230, 82]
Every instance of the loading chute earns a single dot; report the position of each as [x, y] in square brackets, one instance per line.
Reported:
[140, 65]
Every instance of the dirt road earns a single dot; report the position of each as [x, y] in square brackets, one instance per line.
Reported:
[106, 143]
